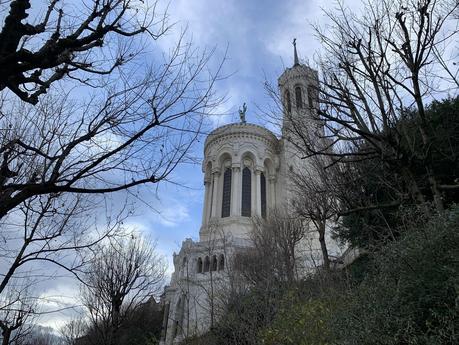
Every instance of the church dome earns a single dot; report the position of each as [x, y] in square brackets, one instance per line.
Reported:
[240, 164]
[240, 131]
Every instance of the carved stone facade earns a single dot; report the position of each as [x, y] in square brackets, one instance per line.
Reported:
[246, 173]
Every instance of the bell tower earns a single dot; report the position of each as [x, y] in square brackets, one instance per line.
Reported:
[298, 86]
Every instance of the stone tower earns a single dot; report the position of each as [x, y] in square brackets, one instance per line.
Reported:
[298, 87]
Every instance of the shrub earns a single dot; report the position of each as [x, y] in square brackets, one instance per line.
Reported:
[410, 296]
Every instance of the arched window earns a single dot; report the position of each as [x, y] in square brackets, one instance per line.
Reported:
[226, 201]
[184, 266]
[221, 262]
[263, 194]
[246, 192]
[298, 97]
[214, 265]
[206, 264]
[199, 264]
[288, 102]
[312, 96]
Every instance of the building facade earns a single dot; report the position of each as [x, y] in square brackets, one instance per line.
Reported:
[246, 173]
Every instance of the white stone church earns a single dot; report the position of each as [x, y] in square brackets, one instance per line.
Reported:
[246, 173]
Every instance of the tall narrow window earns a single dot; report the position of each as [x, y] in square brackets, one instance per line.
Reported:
[214, 265]
[298, 97]
[313, 96]
[206, 264]
[199, 264]
[246, 192]
[221, 262]
[310, 102]
[263, 194]
[184, 266]
[226, 201]
[288, 102]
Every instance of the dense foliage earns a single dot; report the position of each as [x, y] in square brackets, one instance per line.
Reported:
[408, 295]
[373, 182]
[142, 327]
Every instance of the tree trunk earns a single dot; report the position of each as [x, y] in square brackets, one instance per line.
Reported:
[6, 334]
[323, 245]
[211, 300]
[115, 323]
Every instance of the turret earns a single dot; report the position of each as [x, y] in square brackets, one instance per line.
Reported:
[298, 87]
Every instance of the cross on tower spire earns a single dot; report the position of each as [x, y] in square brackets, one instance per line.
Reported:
[295, 54]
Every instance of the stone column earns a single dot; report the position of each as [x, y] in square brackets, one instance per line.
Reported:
[205, 208]
[215, 185]
[272, 191]
[236, 191]
[257, 193]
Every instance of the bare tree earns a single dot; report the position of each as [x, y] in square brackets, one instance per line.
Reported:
[274, 256]
[41, 336]
[70, 40]
[123, 275]
[316, 198]
[73, 330]
[137, 134]
[48, 231]
[17, 309]
[61, 157]
[214, 288]
[378, 73]
[375, 68]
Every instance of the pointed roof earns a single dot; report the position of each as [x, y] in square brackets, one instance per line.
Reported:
[295, 54]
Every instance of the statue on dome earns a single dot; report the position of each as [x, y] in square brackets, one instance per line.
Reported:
[242, 113]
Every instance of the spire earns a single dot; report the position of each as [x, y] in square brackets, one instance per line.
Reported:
[295, 54]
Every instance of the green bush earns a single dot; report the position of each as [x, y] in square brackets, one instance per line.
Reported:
[410, 296]
[303, 323]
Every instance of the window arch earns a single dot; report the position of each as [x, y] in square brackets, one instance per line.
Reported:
[184, 266]
[246, 206]
[214, 265]
[312, 96]
[221, 262]
[263, 194]
[199, 264]
[226, 200]
[288, 102]
[206, 264]
[298, 97]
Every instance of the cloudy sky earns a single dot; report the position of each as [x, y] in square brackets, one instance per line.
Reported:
[257, 38]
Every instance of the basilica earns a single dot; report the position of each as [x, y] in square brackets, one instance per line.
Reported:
[246, 174]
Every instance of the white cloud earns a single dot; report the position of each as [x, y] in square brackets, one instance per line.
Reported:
[172, 213]
[59, 304]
